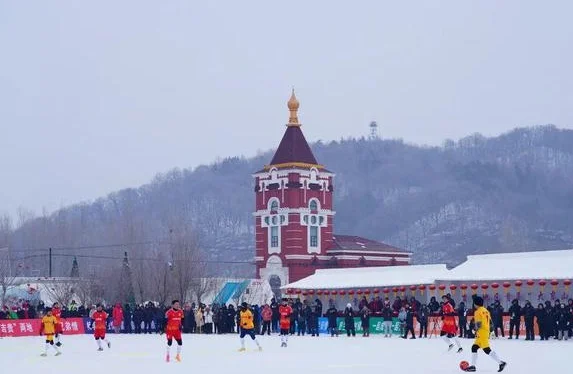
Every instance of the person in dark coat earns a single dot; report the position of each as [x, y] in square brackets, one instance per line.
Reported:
[556, 311]
[148, 315]
[127, 317]
[275, 318]
[549, 321]
[332, 315]
[293, 318]
[528, 312]
[433, 306]
[422, 317]
[137, 319]
[231, 315]
[463, 320]
[365, 320]
[497, 318]
[514, 319]
[349, 320]
[564, 320]
[409, 323]
[540, 316]
[303, 318]
[387, 315]
[316, 314]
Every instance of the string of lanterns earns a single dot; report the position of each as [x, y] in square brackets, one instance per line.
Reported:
[414, 290]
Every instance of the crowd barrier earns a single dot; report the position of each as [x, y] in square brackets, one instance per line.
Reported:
[75, 326]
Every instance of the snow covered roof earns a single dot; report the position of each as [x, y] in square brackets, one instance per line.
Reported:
[368, 277]
[509, 266]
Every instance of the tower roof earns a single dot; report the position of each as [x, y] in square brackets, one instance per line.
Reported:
[293, 150]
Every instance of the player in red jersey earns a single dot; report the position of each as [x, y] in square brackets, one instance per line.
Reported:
[99, 318]
[174, 318]
[285, 311]
[57, 312]
[449, 327]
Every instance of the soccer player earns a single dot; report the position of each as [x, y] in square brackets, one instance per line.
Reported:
[48, 328]
[482, 322]
[99, 318]
[285, 312]
[174, 317]
[57, 312]
[449, 328]
[247, 326]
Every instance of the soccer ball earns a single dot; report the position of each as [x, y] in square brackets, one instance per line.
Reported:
[464, 365]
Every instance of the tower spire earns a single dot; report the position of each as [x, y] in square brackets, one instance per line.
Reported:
[293, 105]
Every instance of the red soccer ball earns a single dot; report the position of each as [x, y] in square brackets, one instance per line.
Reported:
[464, 365]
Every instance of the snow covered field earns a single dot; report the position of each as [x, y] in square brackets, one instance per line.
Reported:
[218, 354]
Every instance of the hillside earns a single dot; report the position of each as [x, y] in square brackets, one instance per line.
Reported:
[513, 192]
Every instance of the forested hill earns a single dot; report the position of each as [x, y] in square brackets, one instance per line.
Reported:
[513, 192]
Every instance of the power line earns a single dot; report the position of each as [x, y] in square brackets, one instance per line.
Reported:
[89, 247]
[130, 259]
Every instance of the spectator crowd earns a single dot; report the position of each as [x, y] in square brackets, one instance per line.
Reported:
[553, 320]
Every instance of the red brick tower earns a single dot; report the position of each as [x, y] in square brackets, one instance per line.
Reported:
[294, 216]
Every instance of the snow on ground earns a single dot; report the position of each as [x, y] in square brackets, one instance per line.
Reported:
[219, 354]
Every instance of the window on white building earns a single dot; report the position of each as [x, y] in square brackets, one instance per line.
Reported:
[274, 237]
[313, 236]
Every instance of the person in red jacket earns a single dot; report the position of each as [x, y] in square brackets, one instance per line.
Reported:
[57, 312]
[449, 327]
[99, 318]
[174, 317]
[117, 316]
[267, 315]
[285, 312]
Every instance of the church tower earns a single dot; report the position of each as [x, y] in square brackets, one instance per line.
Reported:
[294, 212]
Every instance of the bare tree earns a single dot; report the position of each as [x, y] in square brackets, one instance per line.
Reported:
[202, 286]
[62, 291]
[186, 265]
[7, 277]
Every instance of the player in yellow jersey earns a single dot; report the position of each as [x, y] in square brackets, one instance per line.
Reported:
[247, 326]
[482, 321]
[48, 328]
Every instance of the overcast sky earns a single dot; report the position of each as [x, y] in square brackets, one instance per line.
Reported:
[96, 96]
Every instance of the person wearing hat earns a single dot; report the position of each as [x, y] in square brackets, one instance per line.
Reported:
[449, 328]
[247, 326]
[482, 321]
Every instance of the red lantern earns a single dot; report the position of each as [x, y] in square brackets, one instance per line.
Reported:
[395, 290]
[453, 288]
[359, 292]
[298, 292]
[342, 292]
[311, 292]
[319, 293]
[484, 287]
[422, 288]
[350, 292]
[554, 284]
[432, 288]
[474, 288]
[402, 290]
[289, 291]
[386, 291]
[366, 292]
[304, 293]
[441, 287]
[413, 290]
[518, 285]
[463, 287]
[542, 284]
[376, 291]
[495, 286]
[326, 292]
[567, 283]
[334, 292]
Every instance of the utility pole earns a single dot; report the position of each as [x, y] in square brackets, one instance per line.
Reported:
[50, 265]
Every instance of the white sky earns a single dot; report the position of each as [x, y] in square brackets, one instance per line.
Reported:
[98, 96]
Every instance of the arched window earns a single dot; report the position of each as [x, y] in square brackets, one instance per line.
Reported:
[274, 204]
[313, 205]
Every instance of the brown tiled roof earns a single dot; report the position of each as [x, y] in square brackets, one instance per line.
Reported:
[293, 148]
[357, 243]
